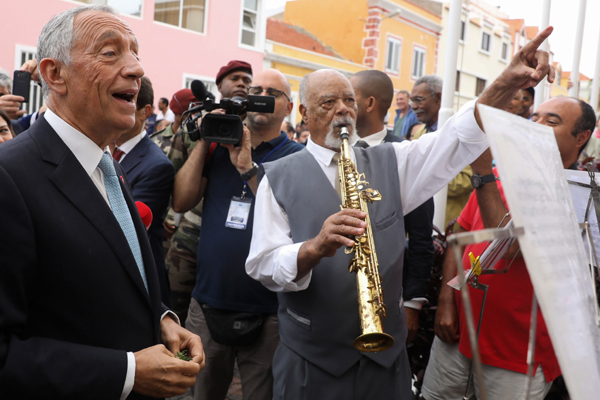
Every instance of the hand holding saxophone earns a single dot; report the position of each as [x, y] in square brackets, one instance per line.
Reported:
[339, 230]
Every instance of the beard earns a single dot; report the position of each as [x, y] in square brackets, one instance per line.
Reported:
[333, 140]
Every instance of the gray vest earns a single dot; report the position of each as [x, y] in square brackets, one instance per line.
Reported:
[321, 322]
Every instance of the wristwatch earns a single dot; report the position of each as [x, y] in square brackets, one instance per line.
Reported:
[250, 173]
[478, 181]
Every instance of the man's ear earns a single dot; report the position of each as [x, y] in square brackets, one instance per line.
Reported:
[303, 113]
[438, 97]
[371, 104]
[582, 138]
[147, 112]
[289, 109]
[54, 73]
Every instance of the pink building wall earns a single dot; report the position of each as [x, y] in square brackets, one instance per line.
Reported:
[166, 52]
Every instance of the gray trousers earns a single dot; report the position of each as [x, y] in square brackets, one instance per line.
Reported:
[254, 361]
[298, 379]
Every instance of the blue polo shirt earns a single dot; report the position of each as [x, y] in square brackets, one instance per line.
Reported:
[221, 279]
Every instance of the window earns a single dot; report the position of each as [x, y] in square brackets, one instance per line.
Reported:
[129, 7]
[479, 86]
[210, 84]
[249, 22]
[187, 14]
[418, 65]
[36, 98]
[485, 41]
[457, 88]
[392, 59]
[504, 53]
[463, 27]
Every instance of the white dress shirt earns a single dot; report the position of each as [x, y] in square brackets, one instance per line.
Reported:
[89, 154]
[130, 144]
[374, 139]
[169, 116]
[424, 167]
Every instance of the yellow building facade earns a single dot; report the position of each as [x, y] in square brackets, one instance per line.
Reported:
[398, 37]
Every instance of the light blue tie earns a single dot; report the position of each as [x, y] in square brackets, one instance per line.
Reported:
[121, 211]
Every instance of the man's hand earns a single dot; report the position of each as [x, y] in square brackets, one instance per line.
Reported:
[158, 373]
[412, 323]
[530, 65]
[169, 229]
[177, 339]
[527, 68]
[337, 230]
[241, 156]
[31, 66]
[446, 321]
[335, 233]
[11, 104]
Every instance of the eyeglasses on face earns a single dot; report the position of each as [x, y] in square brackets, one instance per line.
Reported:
[419, 100]
[258, 90]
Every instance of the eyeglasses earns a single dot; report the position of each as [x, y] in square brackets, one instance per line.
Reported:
[258, 90]
[419, 100]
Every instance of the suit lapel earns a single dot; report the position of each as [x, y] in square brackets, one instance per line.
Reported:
[72, 180]
[134, 157]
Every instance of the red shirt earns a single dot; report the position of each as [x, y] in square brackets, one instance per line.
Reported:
[504, 333]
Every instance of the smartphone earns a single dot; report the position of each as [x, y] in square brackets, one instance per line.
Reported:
[21, 84]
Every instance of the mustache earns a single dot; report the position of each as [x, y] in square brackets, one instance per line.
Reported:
[342, 121]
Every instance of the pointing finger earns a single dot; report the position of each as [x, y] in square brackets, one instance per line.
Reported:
[537, 41]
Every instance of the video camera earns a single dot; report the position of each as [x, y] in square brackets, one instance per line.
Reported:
[221, 128]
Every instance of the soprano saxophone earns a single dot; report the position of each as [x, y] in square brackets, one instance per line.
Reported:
[356, 194]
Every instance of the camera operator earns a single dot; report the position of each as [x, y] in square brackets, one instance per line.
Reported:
[223, 290]
[185, 228]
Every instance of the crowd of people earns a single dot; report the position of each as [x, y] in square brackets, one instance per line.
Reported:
[137, 263]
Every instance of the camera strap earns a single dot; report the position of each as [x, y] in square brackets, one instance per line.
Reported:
[239, 209]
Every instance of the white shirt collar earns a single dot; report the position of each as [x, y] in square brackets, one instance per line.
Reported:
[376, 138]
[320, 153]
[131, 143]
[85, 150]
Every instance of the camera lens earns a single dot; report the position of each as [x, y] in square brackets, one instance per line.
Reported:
[225, 129]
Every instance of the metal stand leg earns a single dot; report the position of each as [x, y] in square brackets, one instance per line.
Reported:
[466, 299]
[593, 261]
[531, 346]
[476, 285]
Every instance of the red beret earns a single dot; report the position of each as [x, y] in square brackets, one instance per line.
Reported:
[181, 100]
[234, 65]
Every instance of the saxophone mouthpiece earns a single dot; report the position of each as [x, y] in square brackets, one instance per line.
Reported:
[344, 133]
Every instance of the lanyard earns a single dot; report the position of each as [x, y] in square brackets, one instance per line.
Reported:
[245, 188]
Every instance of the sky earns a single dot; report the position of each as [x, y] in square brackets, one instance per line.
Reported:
[563, 17]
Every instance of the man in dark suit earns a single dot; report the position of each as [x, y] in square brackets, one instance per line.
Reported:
[374, 92]
[150, 174]
[80, 310]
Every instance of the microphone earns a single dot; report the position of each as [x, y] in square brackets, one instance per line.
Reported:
[145, 213]
[200, 92]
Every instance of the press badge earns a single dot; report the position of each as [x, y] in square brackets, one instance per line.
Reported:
[239, 211]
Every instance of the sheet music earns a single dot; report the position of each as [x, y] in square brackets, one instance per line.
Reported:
[539, 199]
[580, 196]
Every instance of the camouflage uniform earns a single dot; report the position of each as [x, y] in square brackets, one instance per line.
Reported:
[181, 256]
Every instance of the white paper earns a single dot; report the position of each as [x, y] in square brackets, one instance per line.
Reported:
[539, 200]
[580, 196]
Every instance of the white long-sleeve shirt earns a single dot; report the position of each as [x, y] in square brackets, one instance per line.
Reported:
[424, 167]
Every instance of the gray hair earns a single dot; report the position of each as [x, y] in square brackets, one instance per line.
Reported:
[302, 90]
[56, 39]
[304, 84]
[5, 80]
[433, 82]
